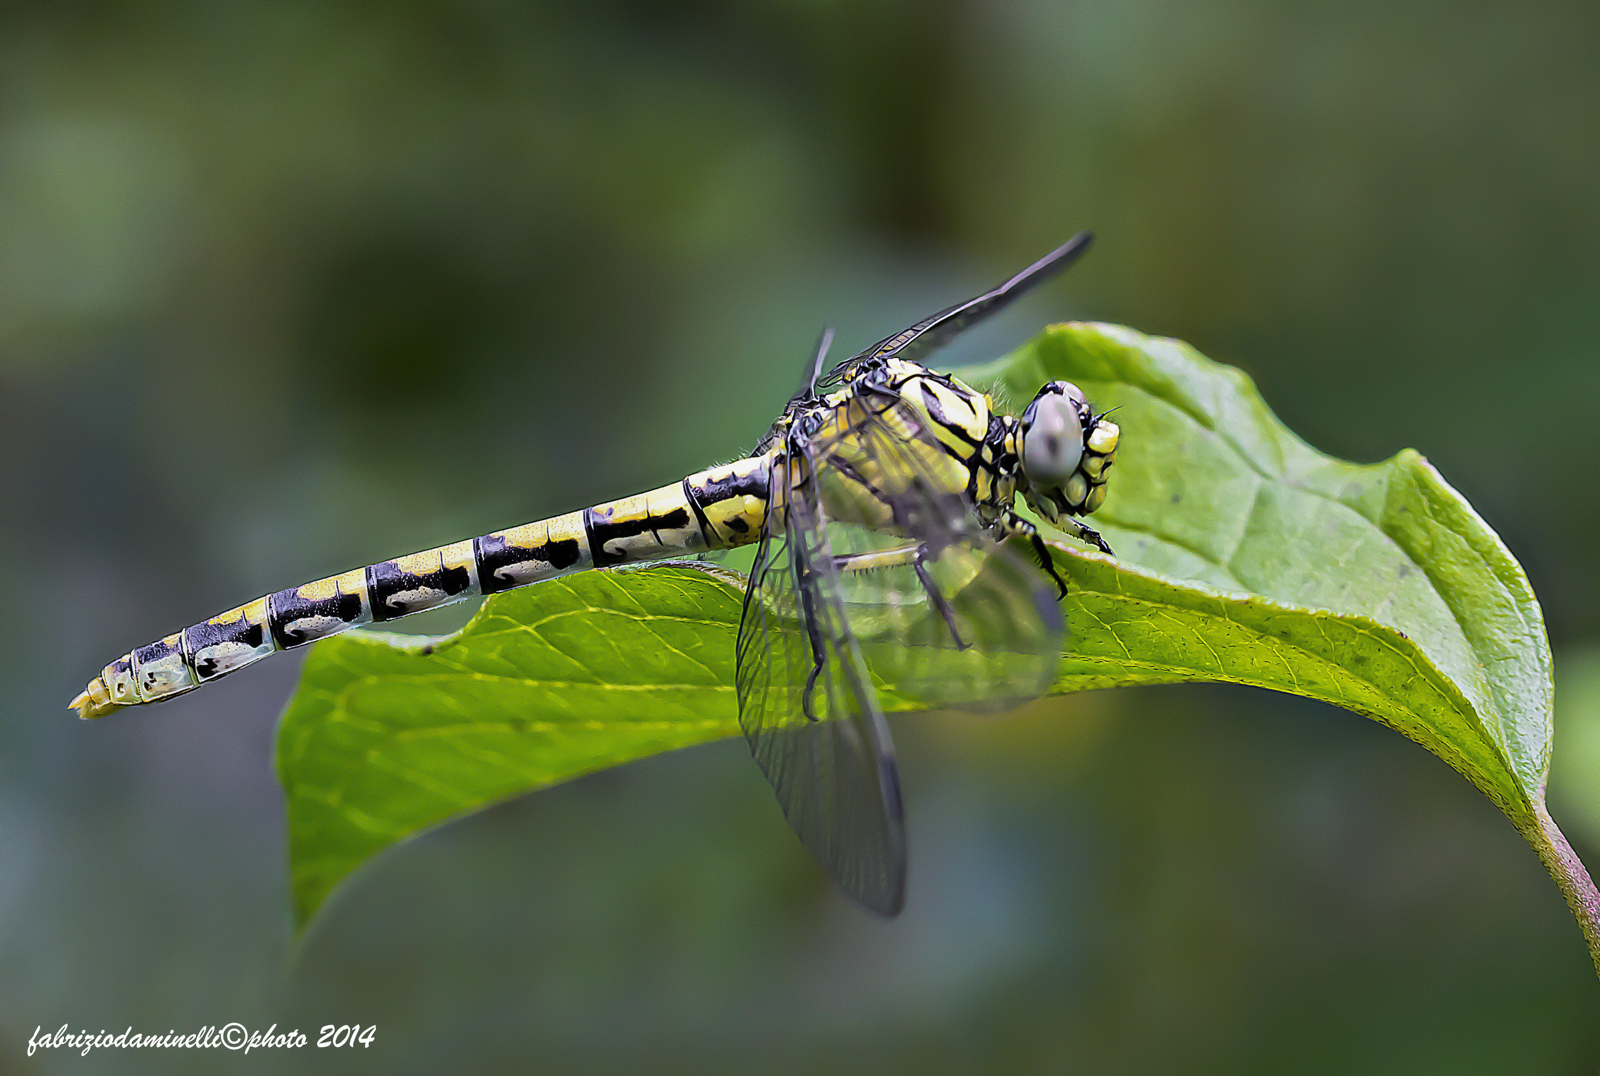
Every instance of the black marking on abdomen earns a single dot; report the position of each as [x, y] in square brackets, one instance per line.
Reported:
[287, 607]
[494, 554]
[597, 529]
[699, 513]
[562, 554]
[146, 655]
[491, 553]
[385, 579]
[675, 520]
[197, 637]
[597, 553]
[158, 671]
[734, 484]
[601, 528]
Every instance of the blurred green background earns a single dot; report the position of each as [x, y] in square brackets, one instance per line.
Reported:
[288, 288]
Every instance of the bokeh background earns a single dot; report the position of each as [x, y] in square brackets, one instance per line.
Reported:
[287, 288]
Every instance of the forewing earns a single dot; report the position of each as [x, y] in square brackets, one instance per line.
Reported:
[914, 341]
[825, 748]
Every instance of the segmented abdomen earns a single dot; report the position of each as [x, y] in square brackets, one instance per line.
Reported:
[716, 509]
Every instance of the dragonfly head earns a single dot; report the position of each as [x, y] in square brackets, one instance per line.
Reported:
[1065, 450]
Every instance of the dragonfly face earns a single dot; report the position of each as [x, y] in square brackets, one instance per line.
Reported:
[1066, 451]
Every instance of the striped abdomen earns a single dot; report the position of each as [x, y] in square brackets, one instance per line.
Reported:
[715, 509]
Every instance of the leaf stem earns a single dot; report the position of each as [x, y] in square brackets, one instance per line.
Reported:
[1569, 873]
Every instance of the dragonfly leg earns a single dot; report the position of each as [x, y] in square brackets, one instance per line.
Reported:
[937, 599]
[819, 651]
[1011, 523]
[806, 704]
[914, 555]
[1087, 534]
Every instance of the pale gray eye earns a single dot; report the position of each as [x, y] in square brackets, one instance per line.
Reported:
[1052, 446]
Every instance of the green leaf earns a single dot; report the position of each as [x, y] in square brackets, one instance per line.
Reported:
[1375, 588]
[1243, 556]
[389, 734]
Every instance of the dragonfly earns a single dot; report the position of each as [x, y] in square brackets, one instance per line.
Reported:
[888, 552]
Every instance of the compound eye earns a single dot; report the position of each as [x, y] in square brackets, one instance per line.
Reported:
[1052, 434]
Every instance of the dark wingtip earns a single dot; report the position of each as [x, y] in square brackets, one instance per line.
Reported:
[887, 902]
[895, 905]
[1073, 248]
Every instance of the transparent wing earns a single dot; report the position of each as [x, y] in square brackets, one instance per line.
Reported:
[938, 609]
[873, 564]
[937, 329]
[809, 710]
[962, 629]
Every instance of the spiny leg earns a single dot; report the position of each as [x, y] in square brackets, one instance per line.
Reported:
[915, 556]
[1011, 523]
[1086, 534]
[937, 599]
